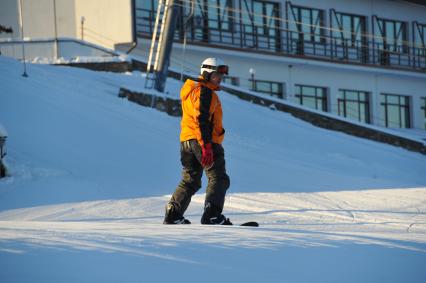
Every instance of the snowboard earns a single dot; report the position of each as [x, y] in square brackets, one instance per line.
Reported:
[250, 224]
[246, 224]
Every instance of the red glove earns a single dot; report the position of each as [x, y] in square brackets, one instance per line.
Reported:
[207, 159]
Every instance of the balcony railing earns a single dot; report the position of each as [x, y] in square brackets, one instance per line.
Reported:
[281, 41]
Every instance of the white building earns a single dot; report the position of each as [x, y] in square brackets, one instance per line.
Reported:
[364, 59]
[103, 22]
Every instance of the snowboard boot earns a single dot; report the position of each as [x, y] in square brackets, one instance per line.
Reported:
[212, 216]
[173, 216]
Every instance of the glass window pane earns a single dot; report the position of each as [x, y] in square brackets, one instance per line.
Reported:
[423, 41]
[225, 25]
[393, 99]
[352, 110]
[318, 36]
[306, 16]
[393, 116]
[363, 96]
[398, 31]
[341, 108]
[379, 31]
[198, 15]
[274, 88]
[418, 38]
[404, 117]
[213, 17]
[262, 86]
[309, 102]
[269, 13]
[315, 15]
[390, 32]
[321, 105]
[321, 92]
[246, 17]
[306, 90]
[382, 120]
[306, 23]
[224, 13]
[257, 13]
[405, 100]
[359, 24]
[347, 26]
[294, 19]
[144, 4]
[352, 95]
[363, 112]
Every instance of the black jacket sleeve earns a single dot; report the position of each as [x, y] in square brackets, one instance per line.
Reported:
[203, 119]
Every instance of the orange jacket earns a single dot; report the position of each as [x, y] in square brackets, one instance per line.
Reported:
[201, 113]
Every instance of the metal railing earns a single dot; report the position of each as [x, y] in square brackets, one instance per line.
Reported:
[367, 51]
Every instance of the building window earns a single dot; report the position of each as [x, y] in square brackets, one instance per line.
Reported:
[390, 35]
[268, 87]
[419, 31]
[312, 96]
[219, 14]
[420, 34]
[423, 107]
[145, 15]
[348, 36]
[354, 105]
[306, 24]
[348, 29]
[211, 19]
[231, 80]
[260, 25]
[395, 110]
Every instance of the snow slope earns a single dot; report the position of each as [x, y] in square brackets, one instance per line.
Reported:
[91, 173]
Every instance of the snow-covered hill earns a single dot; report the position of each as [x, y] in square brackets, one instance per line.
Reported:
[91, 173]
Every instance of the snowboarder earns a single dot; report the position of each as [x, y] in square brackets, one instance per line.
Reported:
[201, 150]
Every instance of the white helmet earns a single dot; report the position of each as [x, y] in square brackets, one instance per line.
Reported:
[210, 65]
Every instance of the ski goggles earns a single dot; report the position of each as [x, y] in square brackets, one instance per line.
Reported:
[221, 69]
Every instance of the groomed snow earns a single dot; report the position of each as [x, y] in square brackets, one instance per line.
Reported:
[90, 174]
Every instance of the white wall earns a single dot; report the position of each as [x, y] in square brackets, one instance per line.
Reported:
[108, 22]
[38, 18]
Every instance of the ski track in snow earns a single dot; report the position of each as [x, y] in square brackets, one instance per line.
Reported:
[389, 218]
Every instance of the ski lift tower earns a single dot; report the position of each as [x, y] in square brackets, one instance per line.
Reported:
[161, 44]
